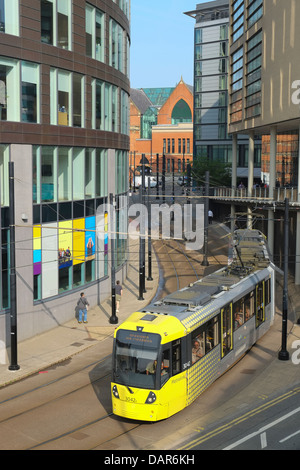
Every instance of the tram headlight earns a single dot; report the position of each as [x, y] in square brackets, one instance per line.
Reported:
[151, 398]
[115, 391]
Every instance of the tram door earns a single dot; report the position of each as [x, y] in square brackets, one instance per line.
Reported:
[226, 329]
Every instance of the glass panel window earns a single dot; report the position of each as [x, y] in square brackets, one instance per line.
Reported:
[94, 33]
[89, 173]
[125, 113]
[121, 172]
[66, 98]
[78, 173]
[48, 178]
[64, 174]
[4, 181]
[63, 24]
[98, 104]
[117, 46]
[101, 173]
[237, 19]
[78, 100]
[99, 35]
[63, 98]
[30, 92]
[115, 114]
[56, 23]
[47, 21]
[9, 17]
[64, 281]
[9, 92]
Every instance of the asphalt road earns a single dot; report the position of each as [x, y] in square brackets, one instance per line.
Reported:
[273, 425]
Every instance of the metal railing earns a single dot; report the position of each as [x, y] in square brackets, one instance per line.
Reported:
[264, 193]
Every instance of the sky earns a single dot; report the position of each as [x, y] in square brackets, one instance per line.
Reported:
[162, 43]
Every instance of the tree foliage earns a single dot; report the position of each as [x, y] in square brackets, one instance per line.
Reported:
[219, 172]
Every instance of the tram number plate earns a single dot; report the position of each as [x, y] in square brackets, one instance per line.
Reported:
[131, 399]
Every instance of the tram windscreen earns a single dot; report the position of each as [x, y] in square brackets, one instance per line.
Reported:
[135, 359]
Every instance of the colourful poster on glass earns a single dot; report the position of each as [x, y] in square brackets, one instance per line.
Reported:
[78, 241]
[90, 238]
[37, 250]
[65, 242]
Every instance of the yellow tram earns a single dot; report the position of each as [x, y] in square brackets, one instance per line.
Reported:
[165, 356]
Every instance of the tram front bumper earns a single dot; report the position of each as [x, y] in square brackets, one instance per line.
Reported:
[138, 404]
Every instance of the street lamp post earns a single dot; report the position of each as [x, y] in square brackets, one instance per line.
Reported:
[113, 319]
[13, 281]
[283, 355]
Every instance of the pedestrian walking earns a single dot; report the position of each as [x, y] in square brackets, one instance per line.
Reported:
[82, 305]
[119, 290]
[210, 217]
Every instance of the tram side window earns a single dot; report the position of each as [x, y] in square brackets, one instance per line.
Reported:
[249, 305]
[198, 348]
[239, 313]
[176, 357]
[165, 366]
[212, 334]
[204, 339]
[268, 291]
[226, 314]
[260, 309]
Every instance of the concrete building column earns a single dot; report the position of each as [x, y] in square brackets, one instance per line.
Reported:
[272, 184]
[250, 176]
[233, 179]
[297, 260]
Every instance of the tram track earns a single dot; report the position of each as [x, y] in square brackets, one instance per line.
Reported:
[73, 409]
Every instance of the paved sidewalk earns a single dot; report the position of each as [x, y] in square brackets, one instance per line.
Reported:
[42, 351]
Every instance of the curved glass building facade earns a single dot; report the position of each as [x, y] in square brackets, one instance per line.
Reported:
[64, 111]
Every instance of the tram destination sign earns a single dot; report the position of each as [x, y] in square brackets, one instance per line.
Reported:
[139, 338]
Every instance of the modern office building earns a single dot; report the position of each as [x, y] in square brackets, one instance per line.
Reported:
[64, 103]
[211, 62]
[264, 96]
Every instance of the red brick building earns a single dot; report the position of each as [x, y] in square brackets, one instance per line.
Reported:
[161, 122]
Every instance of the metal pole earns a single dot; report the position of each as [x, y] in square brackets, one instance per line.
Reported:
[157, 176]
[149, 278]
[163, 187]
[113, 319]
[141, 287]
[143, 224]
[173, 180]
[205, 260]
[283, 355]
[13, 281]
[134, 190]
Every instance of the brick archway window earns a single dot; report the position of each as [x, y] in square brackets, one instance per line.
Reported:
[181, 112]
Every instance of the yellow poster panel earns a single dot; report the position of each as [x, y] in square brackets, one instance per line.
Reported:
[65, 243]
[78, 241]
[37, 234]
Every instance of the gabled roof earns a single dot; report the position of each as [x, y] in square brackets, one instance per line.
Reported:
[140, 99]
[144, 98]
[158, 96]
